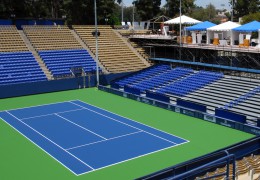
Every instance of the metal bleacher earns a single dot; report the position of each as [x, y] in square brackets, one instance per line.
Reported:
[19, 67]
[60, 62]
[225, 90]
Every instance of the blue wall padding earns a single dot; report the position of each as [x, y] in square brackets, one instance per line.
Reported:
[230, 115]
[132, 90]
[191, 105]
[5, 22]
[159, 97]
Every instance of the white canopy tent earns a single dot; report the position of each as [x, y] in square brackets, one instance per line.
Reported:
[183, 20]
[222, 31]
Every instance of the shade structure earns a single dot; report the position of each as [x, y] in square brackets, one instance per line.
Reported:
[227, 26]
[183, 20]
[253, 26]
[222, 31]
[201, 26]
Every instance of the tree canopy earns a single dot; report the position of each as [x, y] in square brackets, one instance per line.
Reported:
[245, 7]
[147, 9]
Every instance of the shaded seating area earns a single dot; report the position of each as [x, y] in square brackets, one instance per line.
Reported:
[245, 33]
[199, 28]
[115, 54]
[19, 67]
[222, 32]
[10, 39]
[190, 83]
[60, 62]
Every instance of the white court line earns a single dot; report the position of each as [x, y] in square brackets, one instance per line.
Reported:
[80, 126]
[36, 106]
[175, 145]
[133, 158]
[51, 114]
[131, 119]
[104, 140]
[124, 123]
[51, 141]
[40, 147]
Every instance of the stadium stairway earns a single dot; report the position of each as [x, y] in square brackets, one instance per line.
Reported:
[225, 90]
[89, 51]
[142, 57]
[141, 51]
[36, 55]
[114, 53]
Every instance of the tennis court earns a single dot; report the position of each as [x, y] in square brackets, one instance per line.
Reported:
[85, 138]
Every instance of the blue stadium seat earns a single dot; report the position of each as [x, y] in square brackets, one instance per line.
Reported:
[19, 67]
[60, 62]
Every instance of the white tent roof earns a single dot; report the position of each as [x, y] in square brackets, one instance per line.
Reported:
[184, 20]
[227, 26]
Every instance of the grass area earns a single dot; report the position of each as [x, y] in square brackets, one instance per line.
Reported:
[20, 159]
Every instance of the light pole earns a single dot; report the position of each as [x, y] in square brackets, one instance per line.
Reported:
[122, 6]
[180, 32]
[133, 15]
[96, 35]
[232, 10]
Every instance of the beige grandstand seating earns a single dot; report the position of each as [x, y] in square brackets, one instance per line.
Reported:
[10, 40]
[141, 51]
[114, 53]
[247, 168]
[51, 37]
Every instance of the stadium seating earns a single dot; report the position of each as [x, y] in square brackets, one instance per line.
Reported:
[162, 79]
[145, 74]
[11, 40]
[19, 67]
[114, 53]
[246, 168]
[226, 90]
[51, 37]
[190, 83]
[242, 98]
[60, 62]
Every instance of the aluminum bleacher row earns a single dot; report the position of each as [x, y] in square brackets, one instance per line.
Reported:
[60, 62]
[164, 80]
[242, 98]
[19, 67]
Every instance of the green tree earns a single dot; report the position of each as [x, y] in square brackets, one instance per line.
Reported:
[245, 7]
[173, 7]
[147, 9]
[251, 17]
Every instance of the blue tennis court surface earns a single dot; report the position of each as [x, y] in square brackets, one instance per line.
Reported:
[85, 138]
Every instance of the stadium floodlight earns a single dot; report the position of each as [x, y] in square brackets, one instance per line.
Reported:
[96, 36]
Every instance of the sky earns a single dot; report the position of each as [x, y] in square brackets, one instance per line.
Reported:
[203, 3]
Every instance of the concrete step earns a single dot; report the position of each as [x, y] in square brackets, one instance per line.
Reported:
[86, 47]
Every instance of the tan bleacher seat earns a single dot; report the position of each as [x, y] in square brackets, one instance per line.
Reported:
[51, 37]
[114, 53]
[246, 169]
[10, 40]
